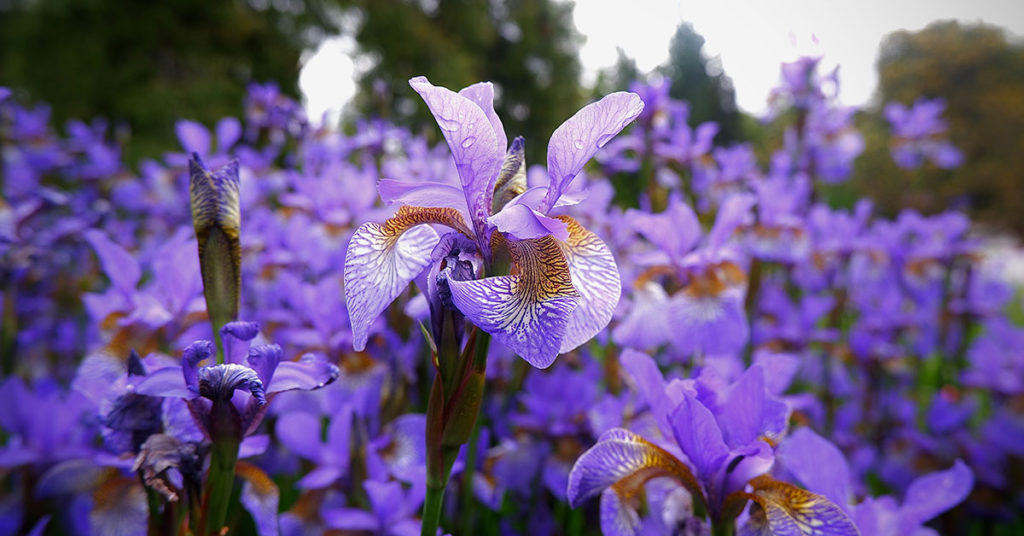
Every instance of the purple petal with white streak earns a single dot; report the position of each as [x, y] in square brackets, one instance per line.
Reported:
[574, 143]
[595, 277]
[473, 143]
[378, 267]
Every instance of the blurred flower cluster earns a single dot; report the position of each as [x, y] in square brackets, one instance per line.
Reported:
[731, 355]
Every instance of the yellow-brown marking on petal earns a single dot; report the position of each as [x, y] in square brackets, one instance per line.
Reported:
[657, 463]
[255, 476]
[408, 217]
[543, 270]
[715, 279]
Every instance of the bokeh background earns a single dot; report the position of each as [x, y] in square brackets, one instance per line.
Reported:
[143, 65]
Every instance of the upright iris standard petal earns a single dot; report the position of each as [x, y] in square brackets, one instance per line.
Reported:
[482, 93]
[699, 436]
[473, 143]
[574, 143]
[733, 213]
[264, 358]
[676, 230]
[529, 311]
[786, 510]
[383, 259]
[121, 268]
[749, 413]
[596, 277]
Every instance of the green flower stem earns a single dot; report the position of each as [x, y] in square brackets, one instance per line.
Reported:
[220, 483]
[452, 412]
[432, 509]
[723, 529]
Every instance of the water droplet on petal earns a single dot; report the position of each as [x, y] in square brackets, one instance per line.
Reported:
[468, 142]
[578, 144]
[447, 124]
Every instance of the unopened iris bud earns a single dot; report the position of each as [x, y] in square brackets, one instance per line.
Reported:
[217, 220]
[512, 178]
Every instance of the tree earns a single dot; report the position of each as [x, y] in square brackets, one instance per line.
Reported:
[980, 74]
[149, 63]
[702, 82]
[527, 48]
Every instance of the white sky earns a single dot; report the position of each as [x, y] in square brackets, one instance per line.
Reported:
[751, 38]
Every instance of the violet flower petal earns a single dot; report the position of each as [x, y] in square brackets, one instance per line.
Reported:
[378, 267]
[818, 464]
[482, 93]
[260, 498]
[300, 433]
[310, 372]
[595, 277]
[423, 194]
[166, 382]
[576, 140]
[522, 223]
[699, 437]
[616, 518]
[473, 142]
[932, 494]
[675, 231]
[119, 265]
[527, 312]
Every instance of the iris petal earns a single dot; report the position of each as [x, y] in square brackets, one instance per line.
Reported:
[473, 143]
[576, 140]
[787, 510]
[482, 94]
[527, 312]
[617, 519]
[383, 259]
[423, 194]
[596, 277]
[623, 461]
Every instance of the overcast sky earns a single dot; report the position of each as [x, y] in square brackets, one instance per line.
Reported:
[750, 37]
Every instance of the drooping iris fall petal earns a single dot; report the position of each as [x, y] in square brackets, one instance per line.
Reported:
[596, 277]
[528, 311]
[383, 259]
[786, 510]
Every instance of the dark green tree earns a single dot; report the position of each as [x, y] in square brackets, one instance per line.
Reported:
[701, 81]
[618, 77]
[148, 63]
[527, 48]
[980, 74]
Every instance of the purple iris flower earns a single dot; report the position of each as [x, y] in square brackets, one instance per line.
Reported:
[256, 370]
[707, 313]
[718, 444]
[565, 285]
[919, 134]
